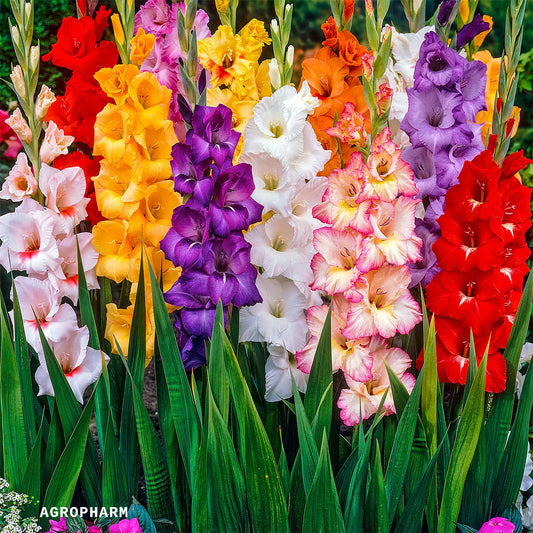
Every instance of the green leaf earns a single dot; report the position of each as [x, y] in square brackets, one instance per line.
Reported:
[217, 375]
[322, 510]
[55, 443]
[283, 469]
[463, 451]
[32, 476]
[320, 378]
[137, 511]
[61, 487]
[376, 515]
[429, 389]
[14, 443]
[401, 451]
[255, 453]
[181, 400]
[226, 492]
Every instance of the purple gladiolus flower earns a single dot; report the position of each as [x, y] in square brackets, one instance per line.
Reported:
[469, 31]
[445, 11]
[472, 86]
[422, 272]
[437, 65]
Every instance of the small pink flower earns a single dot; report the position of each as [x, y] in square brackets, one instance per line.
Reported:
[497, 525]
[20, 181]
[58, 526]
[20, 126]
[126, 526]
[45, 99]
[94, 529]
[55, 143]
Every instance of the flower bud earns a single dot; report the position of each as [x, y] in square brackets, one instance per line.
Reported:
[17, 123]
[384, 98]
[387, 30]
[27, 11]
[289, 56]
[35, 57]
[369, 8]
[18, 82]
[274, 74]
[368, 64]
[222, 5]
[274, 26]
[16, 35]
[117, 29]
[45, 99]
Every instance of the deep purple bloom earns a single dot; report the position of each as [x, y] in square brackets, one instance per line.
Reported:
[183, 242]
[445, 11]
[192, 348]
[469, 31]
[437, 65]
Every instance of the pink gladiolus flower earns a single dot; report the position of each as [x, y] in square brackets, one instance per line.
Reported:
[335, 265]
[126, 526]
[393, 240]
[80, 363]
[64, 191]
[17, 123]
[386, 306]
[20, 181]
[365, 397]
[387, 175]
[57, 320]
[350, 128]
[497, 525]
[28, 241]
[55, 143]
[343, 204]
[68, 284]
[351, 356]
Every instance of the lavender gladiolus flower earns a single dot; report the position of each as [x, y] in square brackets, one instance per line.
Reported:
[469, 31]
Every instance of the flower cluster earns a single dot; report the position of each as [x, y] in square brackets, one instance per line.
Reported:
[206, 239]
[448, 93]
[80, 49]
[482, 252]
[11, 509]
[333, 75]
[159, 19]
[286, 157]
[361, 263]
[134, 191]
[41, 242]
[238, 80]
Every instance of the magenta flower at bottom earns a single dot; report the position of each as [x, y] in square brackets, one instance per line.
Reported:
[126, 526]
[497, 525]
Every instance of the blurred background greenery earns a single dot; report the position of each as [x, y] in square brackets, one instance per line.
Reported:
[306, 34]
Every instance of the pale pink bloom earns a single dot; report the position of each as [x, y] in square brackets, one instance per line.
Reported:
[20, 181]
[387, 175]
[40, 302]
[65, 196]
[279, 367]
[28, 241]
[364, 397]
[45, 99]
[279, 318]
[351, 356]
[393, 239]
[55, 143]
[68, 284]
[386, 306]
[335, 265]
[80, 363]
[305, 198]
[343, 203]
[17, 123]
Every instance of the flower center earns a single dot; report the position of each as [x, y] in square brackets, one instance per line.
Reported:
[271, 182]
[437, 63]
[277, 307]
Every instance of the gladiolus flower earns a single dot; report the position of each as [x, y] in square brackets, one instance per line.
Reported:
[17, 123]
[141, 46]
[44, 100]
[55, 143]
[20, 181]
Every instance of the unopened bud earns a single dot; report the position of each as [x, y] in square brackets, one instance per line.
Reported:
[384, 98]
[274, 74]
[509, 128]
[27, 11]
[18, 82]
[117, 29]
[35, 57]
[45, 99]
[387, 30]
[274, 26]
[17, 123]
[368, 64]
[289, 56]
[15, 35]
[369, 7]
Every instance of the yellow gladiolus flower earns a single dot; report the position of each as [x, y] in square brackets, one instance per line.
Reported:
[241, 110]
[156, 143]
[111, 241]
[222, 5]
[118, 331]
[116, 199]
[141, 46]
[115, 81]
[478, 39]
[146, 92]
[224, 56]
[253, 38]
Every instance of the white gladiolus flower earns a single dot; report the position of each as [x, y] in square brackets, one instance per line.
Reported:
[278, 369]
[527, 353]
